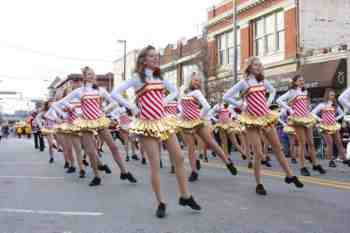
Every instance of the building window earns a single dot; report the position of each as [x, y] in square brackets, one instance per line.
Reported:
[269, 34]
[226, 48]
[171, 76]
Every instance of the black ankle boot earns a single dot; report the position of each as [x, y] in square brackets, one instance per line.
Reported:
[107, 169]
[250, 165]
[260, 190]
[189, 202]
[128, 176]
[304, 172]
[231, 167]
[82, 174]
[319, 168]
[95, 182]
[161, 211]
[144, 162]
[332, 164]
[172, 170]
[66, 165]
[198, 164]
[193, 177]
[86, 164]
[71, 170]
[294, 180]
[134, 157]
[51, 160]
[266, 163]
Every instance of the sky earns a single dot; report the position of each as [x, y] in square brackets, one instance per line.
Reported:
[42, 39]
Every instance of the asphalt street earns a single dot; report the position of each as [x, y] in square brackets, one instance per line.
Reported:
[38, 197]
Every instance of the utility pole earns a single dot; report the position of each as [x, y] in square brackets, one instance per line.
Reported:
[235, 59]
[124, 58]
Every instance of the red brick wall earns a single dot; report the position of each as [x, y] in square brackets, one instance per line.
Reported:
[213, 58]
[290, 22]
[246, 44]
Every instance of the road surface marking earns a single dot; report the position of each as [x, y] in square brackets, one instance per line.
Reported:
[32, 177]
[47, 212]
[311, 180]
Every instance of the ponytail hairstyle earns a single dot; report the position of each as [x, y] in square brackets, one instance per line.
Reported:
[85, 70]
[326, 96]
[294, 80]
[247, 70]
[141, 66]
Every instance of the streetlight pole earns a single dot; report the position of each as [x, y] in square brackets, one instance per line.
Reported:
[235, 59]
[124, 58]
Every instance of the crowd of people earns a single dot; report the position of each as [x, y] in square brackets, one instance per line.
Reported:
[164, 118]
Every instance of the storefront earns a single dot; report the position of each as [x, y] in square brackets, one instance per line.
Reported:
[318, 77]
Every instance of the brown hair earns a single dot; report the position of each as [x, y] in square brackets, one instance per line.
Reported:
[190, 87]
[140, 63]
[260, 77]
[294, 80]
[326, 96]
[46, 106]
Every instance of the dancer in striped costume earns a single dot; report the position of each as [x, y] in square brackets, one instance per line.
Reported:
[93, 120]
[258, 119]
[297, 103]
[330, 113]
[229, 127]
[289, 130]
[194, 121]
[171, 110]
[152, 124]
[46, 121]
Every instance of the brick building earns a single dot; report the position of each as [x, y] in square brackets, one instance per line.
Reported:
[179, 61]
[103, 80]
[289, 36]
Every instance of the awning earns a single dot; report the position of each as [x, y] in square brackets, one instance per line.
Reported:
[316, 75]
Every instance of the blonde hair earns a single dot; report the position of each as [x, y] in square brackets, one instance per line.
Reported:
[248, 66]
[86, 69]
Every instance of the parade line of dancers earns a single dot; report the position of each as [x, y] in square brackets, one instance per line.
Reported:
[161, 116]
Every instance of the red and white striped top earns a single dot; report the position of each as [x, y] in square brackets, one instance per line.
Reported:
[299, 106]
[171, 108]
[73, 113]
[224, 115]
[190, 108]
[328, 115]
[150, 101]
[91, 107]
[256, 100]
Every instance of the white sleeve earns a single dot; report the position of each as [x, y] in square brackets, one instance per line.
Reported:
[340, 113]
[212, 112]
[58, 110]
[111, 102]
[201, 99]
[317, 111]
[272, 92]
[344, 99]
[117, 93]
[173, 92]
[234, 91]
[65, 102]
[282, 101]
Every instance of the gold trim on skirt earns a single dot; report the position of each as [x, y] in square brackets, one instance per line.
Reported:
[250, 121]
[46, 131]
[161, 129]
[329, 129]
[289, 130]
[68, 128]
[92, 125]
[307, 121]
[189, 126]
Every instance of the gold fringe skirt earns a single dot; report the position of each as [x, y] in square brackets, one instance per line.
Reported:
[307, 121]
[47, 131]
[92, 125]
[329, 129]
[161, 129]
[289, 130]
[67, 128]
[189, 126]
[250, 121]
[231, 127]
